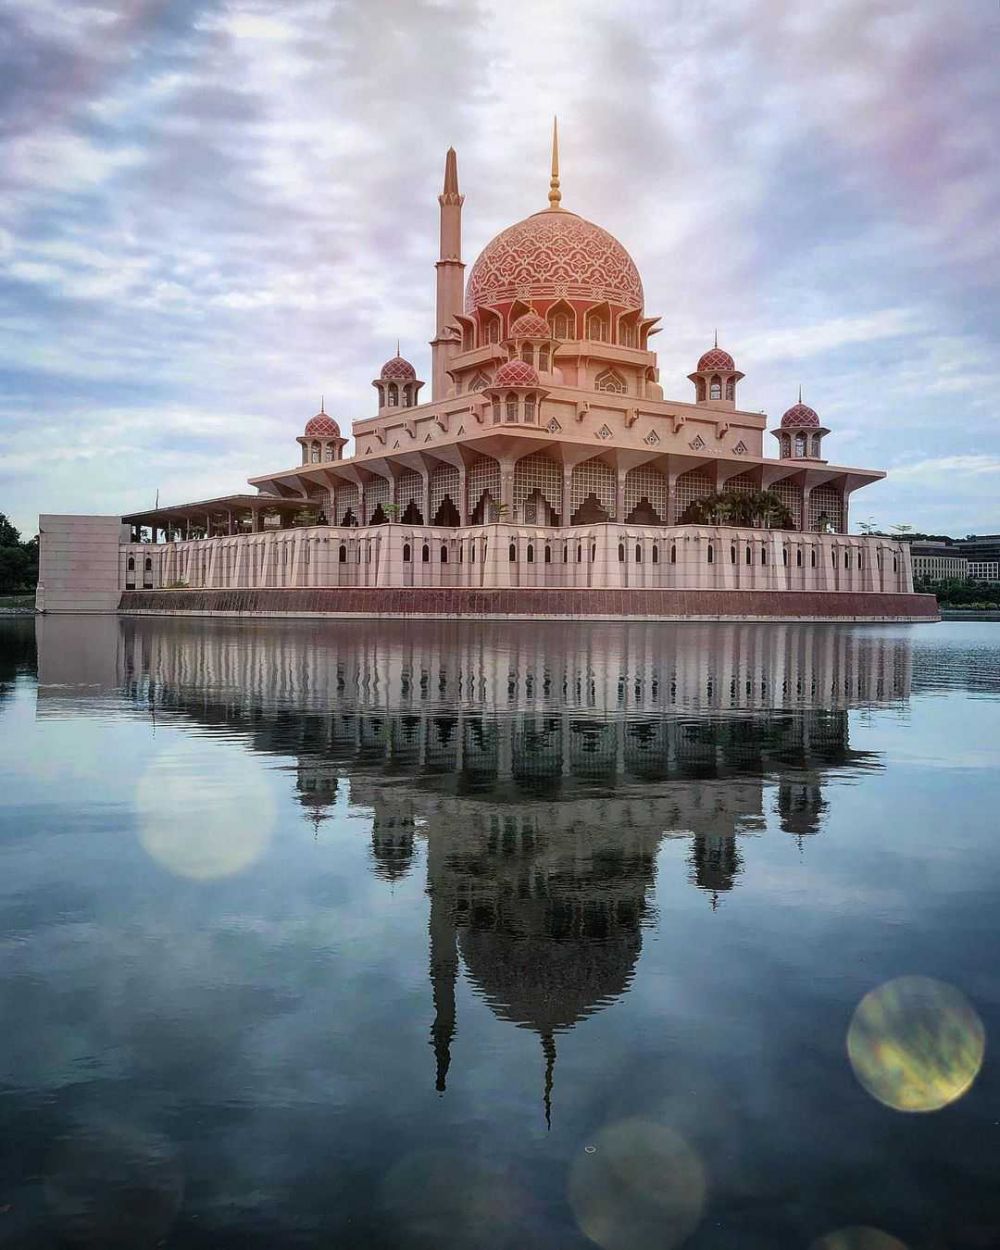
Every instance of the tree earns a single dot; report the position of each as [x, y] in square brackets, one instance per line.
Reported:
[391, 510]
[9, 534]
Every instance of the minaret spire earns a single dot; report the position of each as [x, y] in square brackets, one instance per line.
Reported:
[555, 195]
[549, 1051]
[450, 286]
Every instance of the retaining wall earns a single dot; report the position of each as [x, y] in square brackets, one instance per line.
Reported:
[538, 603]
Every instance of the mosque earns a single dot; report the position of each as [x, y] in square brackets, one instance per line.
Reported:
[548, 475]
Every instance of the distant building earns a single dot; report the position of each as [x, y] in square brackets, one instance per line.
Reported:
[983, 554]
[938, 562]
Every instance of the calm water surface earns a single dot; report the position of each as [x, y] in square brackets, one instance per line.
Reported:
[430, 935]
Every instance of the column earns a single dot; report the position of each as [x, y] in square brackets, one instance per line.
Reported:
[620, 496]
[463, 496]
[567, 496]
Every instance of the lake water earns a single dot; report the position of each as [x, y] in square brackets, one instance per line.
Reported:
[336, 934]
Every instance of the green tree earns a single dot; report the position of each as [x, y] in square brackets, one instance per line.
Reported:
[9, 534]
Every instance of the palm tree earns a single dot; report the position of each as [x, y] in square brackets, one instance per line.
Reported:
[391, 510]
[772, 511]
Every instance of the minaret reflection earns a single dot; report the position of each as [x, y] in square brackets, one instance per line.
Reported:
[540, 766]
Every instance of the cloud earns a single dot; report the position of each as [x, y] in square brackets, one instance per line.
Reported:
[228, 207]
[941, 467]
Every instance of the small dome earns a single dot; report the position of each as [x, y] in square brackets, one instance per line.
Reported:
[530, 326]
[716, 358]
[322, 426]
[800, 416]
[516, 373]
[398, 370]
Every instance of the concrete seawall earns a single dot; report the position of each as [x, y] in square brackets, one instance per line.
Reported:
[805, 605]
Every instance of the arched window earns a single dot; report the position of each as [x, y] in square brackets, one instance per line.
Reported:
[328, 451]
[895, 564]
[314, 453]
[798, 558]
[531, 553]
[148, 566]
[786, 446]
[444, 554]
[548, 555]
[131, 564]
[406, 553]
[496, 412]
[859, 559]
[561, 325]
[479, 382]
[800, 445]
[472, 552]
[611, 381]
[597, 328]
[512, 552]
[847, 558]
[491, 330]
[393, 393]
[638, 553]
[627, 334]
[812, 558]
[711, 554]
[673, 554]
[763, 555]
[342, 554]
[621, 553]
[730, 389]
[715, 387]
[749, 556]
[565, 553]
[425, 554]
[528, 354]
[732, 554]
[511, 406]
[833, 558]
[579, 552]
[529, 410]
[815, 445]
[656, 554]
[543, 359]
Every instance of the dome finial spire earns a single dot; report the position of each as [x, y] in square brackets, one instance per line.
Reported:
[322, 404]
[555, 195]
[716, 337]
[397, 347]
[800, 392]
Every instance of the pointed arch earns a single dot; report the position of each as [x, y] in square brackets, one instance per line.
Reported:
[562, 321]
[598, 323]
[490, 326]
[611, 380]
[627, 330]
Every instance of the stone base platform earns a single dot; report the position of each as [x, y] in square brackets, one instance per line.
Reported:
[536, 604]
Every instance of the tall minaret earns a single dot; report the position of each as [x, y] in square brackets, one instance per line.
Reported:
[449, 276]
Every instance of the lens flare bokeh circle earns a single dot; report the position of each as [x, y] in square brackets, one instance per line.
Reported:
[858, 1237]
[916, 1044]
[643, 1187]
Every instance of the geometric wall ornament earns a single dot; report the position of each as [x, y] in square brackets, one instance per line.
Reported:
[553, 426]
[697, 443]
[652, 438]
[604, 432]
[740, 448]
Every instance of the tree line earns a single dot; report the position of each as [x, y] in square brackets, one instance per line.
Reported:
[18, 560]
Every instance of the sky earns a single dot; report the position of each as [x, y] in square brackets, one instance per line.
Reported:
[212, 212]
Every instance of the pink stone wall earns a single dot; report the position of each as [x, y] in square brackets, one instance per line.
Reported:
[458, 602]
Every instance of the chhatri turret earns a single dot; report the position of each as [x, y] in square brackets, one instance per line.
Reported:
[450, 284]
[715, 378]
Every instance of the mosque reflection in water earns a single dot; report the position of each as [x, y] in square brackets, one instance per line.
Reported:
[540, 767]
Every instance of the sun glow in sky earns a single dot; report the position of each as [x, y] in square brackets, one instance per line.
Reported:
[212, 212]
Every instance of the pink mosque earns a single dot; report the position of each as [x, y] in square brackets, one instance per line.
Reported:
[547, 476]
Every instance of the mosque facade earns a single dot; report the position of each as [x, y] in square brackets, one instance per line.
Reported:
[548, 459]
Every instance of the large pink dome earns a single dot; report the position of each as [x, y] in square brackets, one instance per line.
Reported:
[554, 255]
[322, 426]
[800, 417]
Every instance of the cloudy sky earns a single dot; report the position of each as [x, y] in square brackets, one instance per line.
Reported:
[213, 211]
